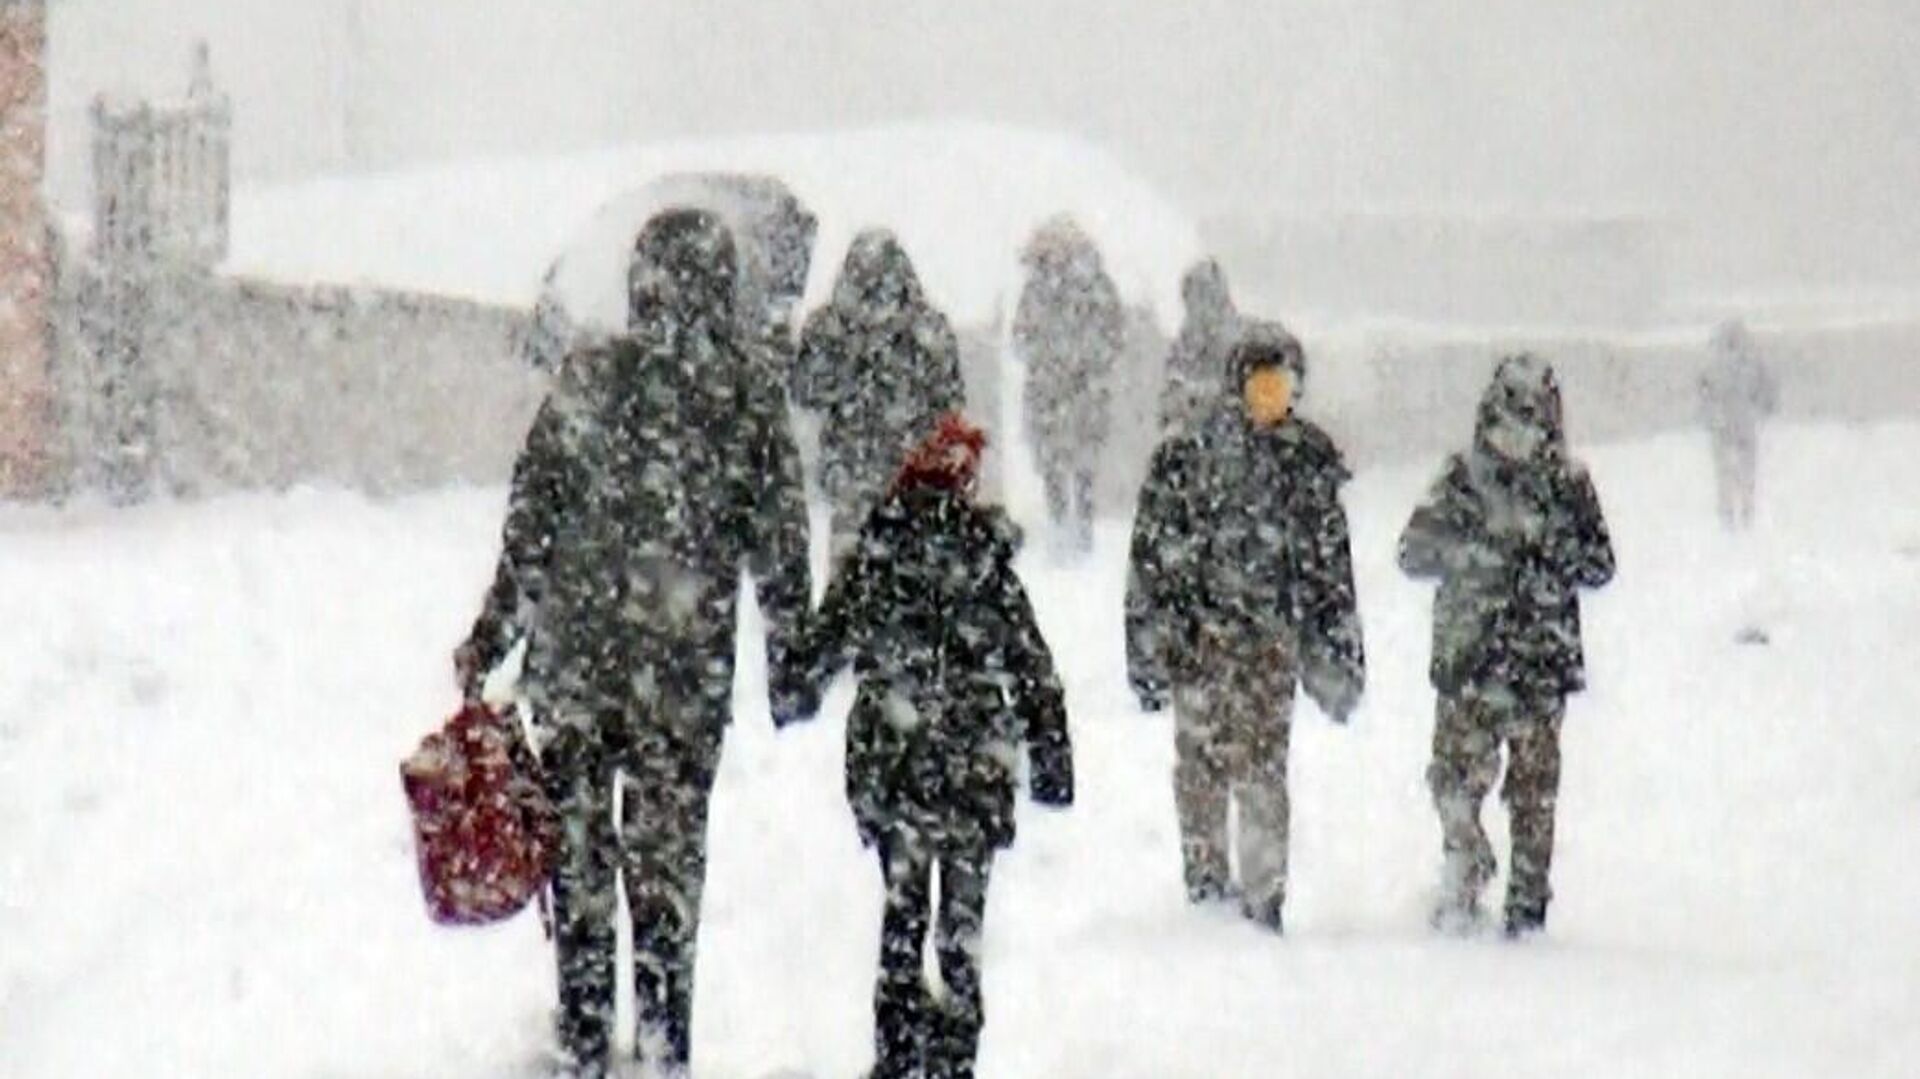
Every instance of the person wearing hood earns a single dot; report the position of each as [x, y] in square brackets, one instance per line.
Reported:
[1069, 330]
[1240, 585]
[955, 682]
[659, 467]
[1197, 363]
[878, 364]
[1511, 530]
[1737, 393]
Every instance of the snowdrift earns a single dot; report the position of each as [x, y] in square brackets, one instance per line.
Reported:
[962, 197]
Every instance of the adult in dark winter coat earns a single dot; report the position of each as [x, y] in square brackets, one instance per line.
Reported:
[1737, 393]
[1069, 330]
[955, 680]
[1197, 363]
[1512, 529]
[1241, 585]
[879, 364]
[654, 473]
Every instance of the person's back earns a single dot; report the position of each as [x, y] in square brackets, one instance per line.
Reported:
[955, 680]
[658, 470]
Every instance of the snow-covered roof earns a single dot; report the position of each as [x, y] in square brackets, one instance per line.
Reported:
[962, 197]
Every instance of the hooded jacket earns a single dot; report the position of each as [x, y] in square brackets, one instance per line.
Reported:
[1070, 330]
[1197, 362]
[655, 471]
[1240, 538]
[879, 364]
[955, 678]
[1511, 530]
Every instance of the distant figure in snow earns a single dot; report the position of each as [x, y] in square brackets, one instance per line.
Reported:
[1240, 586]
[879, 364]
[955, 682]
[659, 468]
[1511, 530]
[1197, 363]
[1069, 329]
[1737, 392]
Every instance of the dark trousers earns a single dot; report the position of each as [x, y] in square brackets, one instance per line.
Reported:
[664, 837]
[917, 1035]
[659, 848]
[1469, 734]
[580, 774]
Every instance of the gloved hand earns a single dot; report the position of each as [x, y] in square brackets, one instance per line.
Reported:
[1335, 690]
[468, 671]
[1152, 692]
[1052, 778]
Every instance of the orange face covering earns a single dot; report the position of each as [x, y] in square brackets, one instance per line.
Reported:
[1269, 395]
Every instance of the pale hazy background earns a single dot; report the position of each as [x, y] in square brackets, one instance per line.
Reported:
[1779, 141]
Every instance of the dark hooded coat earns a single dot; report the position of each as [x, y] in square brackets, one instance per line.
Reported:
[1070, 331]
[655, 472]
[1240, 536]
[1197, 362]
[955, 679]
[1511, 536]
[878, 363]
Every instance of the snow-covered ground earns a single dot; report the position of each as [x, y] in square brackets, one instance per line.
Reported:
[205, 867]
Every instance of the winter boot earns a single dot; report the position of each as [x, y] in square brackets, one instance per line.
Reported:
[1204, 888]
[1463, 878]
[1266, 913]
[1525, 919]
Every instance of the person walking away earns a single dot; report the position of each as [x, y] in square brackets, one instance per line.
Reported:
[879, 364]
[1240, 587]
[1512, 530]
[654, 473]
[954, 681]
[1069, 330]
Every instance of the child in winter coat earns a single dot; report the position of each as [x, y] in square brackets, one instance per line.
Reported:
[955, 681]
[1511, 530]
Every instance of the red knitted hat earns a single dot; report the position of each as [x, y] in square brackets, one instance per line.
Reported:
[948, 458]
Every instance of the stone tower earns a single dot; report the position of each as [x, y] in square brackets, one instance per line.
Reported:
[26, 257]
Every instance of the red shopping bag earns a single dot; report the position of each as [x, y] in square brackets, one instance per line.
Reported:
[482, 826]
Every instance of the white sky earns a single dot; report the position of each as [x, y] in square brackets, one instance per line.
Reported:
[1784, 136]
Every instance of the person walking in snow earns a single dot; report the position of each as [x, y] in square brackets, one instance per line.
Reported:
[1240, 585]
[659, 467]
[879, 363]
[1737, 393]
[1511, 530]
[1197, 363]
[1069, 329]
[954, 682]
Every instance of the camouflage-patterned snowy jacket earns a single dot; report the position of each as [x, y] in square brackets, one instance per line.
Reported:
[955, 679]
[1510, 543]
[1240, 536]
